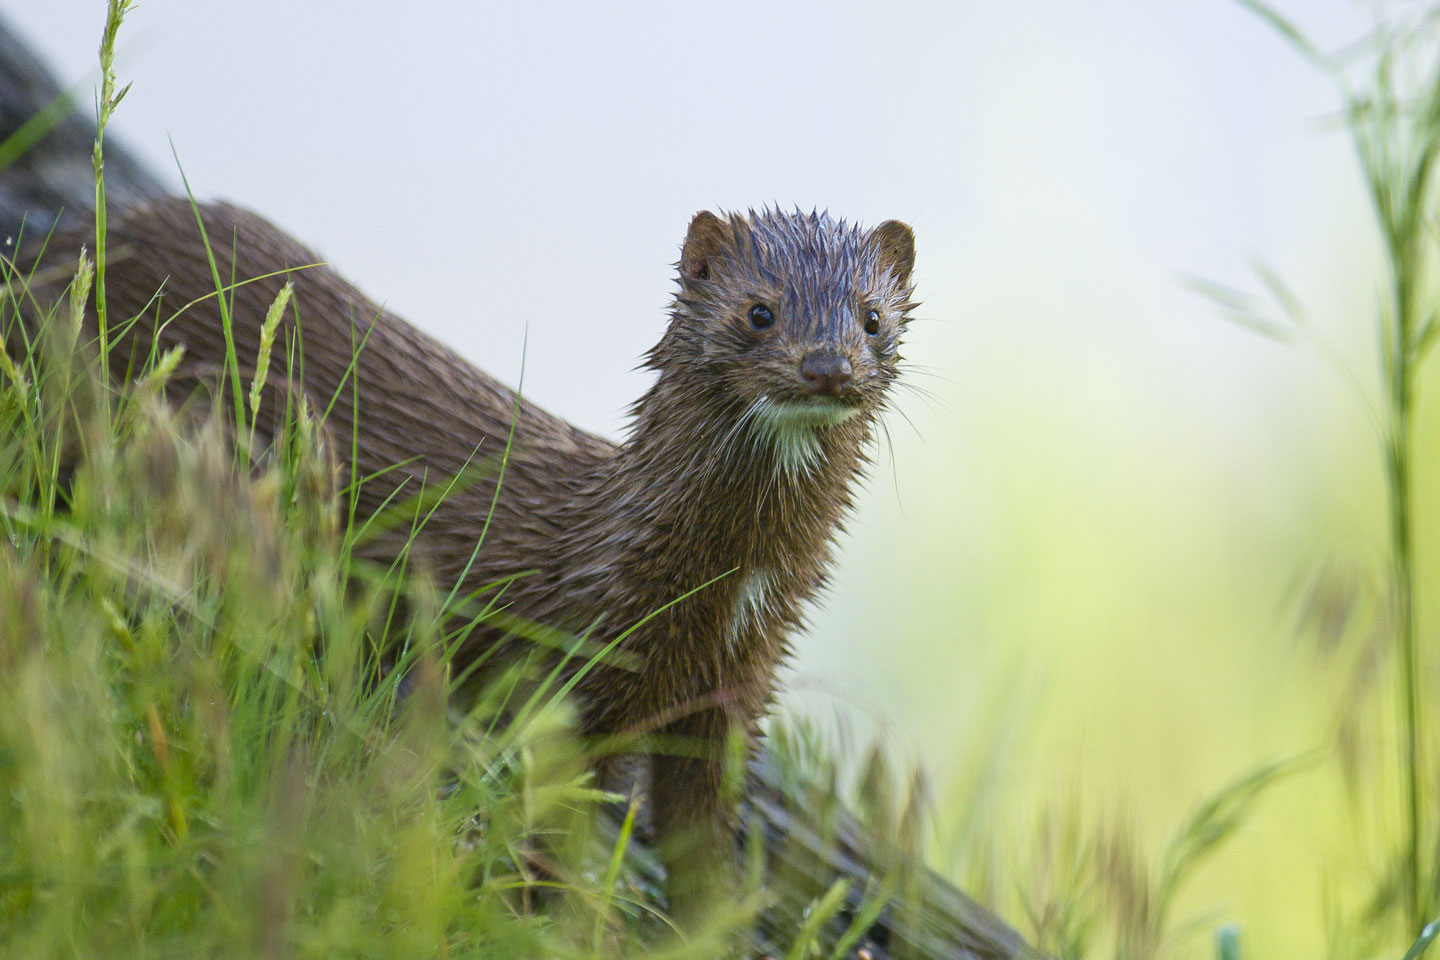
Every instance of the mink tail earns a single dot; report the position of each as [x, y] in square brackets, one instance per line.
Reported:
[46, 179]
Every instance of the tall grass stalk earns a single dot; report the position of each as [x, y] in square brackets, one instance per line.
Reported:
[109, 99]
[1394, 123]
[1399, 182]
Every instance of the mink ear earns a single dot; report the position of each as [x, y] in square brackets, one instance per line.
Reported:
[896, 243]
[703, 241]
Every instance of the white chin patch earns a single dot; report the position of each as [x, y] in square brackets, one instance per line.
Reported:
[792, 429]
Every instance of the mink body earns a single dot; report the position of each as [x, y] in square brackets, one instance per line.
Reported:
[734, 478]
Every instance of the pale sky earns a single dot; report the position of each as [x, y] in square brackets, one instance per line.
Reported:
[491, 168]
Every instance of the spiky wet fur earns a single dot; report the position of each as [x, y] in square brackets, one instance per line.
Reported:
[732, 468]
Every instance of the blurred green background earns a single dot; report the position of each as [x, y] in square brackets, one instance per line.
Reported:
[1078, 577]
[1090, 596]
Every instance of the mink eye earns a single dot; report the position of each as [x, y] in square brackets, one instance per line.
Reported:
[872, 322]
[761, 317]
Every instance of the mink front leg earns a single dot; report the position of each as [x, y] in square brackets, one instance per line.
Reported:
[694, 816]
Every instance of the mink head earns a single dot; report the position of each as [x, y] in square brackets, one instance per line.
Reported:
[793, 321]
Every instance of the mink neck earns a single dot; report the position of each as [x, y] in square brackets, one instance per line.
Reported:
[704, 489]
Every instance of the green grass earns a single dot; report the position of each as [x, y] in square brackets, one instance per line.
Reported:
[200, 750]
[204, 748]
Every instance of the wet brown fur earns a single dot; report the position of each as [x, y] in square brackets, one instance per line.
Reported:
[700, 489]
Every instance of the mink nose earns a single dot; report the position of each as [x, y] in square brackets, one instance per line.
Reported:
[826, 373]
